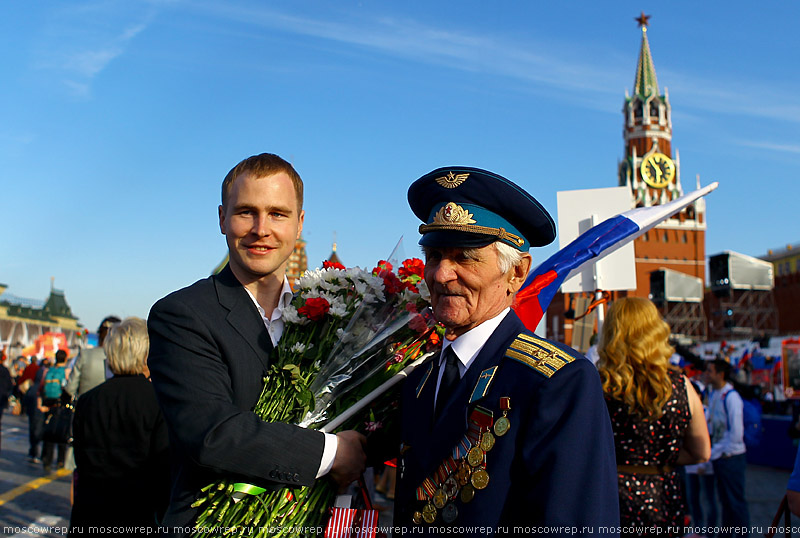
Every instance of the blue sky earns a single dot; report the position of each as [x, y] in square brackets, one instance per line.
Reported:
[120, 119]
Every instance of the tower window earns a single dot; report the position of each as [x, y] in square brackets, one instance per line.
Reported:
[685, 238]
[653, 109]
[666, 237]
[637, 109]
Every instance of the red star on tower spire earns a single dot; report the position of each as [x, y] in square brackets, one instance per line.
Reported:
[643, 20]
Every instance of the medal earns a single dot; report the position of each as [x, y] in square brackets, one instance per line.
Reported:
[475, 456]
[450, 487]
[439, 498]
[487, 441]
[450, 513]
[429, 513]
[479, 479]
[502, 425]
[462, 476]
[467, 494]
[417, 518]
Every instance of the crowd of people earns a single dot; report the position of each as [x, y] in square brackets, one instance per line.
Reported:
[501, 429]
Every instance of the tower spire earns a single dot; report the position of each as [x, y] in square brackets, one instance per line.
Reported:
[646, 83]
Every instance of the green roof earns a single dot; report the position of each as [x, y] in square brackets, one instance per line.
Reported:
[646, 83]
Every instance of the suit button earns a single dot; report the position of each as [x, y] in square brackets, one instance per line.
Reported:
[296, 477]
[272, 473]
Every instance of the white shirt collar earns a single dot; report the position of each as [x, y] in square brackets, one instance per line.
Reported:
[468, 345]
[274, 323]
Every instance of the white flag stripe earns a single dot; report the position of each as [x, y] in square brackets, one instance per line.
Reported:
[646, 218]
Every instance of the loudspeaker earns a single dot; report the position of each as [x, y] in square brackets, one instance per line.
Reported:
[731, 270]
[674, 286]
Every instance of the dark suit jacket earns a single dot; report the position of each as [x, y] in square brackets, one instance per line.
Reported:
[555, 467]
[209, 353]
[122, 455]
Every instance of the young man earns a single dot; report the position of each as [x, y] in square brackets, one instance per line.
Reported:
[210, 345]
[505, 430]
[726, 427]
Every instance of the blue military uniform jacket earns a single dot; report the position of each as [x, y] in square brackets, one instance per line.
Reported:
[553, 472]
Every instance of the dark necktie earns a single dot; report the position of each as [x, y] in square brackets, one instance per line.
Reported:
[450, 379]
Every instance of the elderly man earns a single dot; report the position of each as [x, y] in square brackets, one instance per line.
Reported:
[210, 347]
[505, 430]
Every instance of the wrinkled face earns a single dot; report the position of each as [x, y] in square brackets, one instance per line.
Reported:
[466, 285]
[261, 223]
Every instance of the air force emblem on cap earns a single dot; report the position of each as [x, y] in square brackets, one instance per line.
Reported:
[452, 213]
[451, 180]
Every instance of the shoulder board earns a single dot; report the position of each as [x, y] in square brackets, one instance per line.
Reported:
[539, 354]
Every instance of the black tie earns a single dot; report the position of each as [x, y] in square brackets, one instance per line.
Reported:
[450, 379]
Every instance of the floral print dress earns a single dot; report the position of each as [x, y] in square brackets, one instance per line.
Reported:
[651, 499]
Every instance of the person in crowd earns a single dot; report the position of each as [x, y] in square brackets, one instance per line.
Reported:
[657, 416]
[6, 389]
[25, 380]
[793, 487]
[49, 402]
[726, 426]
[494, 430]
[210, 350]
[121, 443]
[701, 492]
[89, 367]
[31, 405]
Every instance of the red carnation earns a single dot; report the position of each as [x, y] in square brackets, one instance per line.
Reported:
[332, 265]
[391, 283]
[382, 266]
[315, 308]
[418, 323]
[412, 267]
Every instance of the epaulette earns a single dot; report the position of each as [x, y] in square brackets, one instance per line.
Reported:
[539, 354]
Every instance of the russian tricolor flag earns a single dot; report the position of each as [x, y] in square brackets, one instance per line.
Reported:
[594, 244]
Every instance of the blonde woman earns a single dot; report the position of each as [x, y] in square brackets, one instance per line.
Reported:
[120, 440]
[657, 417]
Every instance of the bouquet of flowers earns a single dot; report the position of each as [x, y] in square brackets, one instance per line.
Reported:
[347, 335]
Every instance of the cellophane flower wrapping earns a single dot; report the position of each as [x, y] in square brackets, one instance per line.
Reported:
[346, 332]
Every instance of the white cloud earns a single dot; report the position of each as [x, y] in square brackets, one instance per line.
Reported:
[529, 61]
[784, 148]
[81, 40]
[589, 77]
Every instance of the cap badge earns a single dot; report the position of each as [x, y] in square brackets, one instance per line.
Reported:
[452, 213]
[451, 181]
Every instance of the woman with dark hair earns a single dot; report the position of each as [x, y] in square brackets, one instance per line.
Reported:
[657, 417]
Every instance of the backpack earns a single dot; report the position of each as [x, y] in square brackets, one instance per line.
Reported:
[53, 380]
[751, 416]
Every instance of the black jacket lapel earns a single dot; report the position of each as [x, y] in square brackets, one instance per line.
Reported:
[243, 314]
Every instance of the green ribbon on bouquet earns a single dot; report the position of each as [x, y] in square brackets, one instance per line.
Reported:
[241, 489]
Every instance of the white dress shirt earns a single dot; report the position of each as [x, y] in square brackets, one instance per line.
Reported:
[274, 325]
[468, 345]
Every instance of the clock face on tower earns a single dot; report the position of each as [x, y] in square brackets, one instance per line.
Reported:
[658, 170]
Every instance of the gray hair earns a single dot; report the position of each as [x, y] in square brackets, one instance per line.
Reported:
[126, 346]
[507, 256]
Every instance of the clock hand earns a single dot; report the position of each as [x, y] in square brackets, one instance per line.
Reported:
[659, 173]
